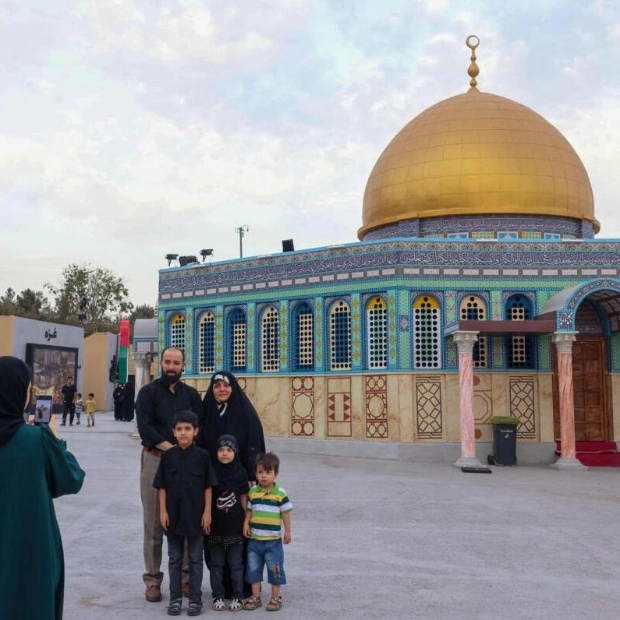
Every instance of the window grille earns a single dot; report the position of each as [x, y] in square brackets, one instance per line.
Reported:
[206, 339]
[237, 340]
[270, 340]
[473, 308]
[340, 336]
[376, 321]
[303, 337]
[519, 348]
[177, 331]
[427, 328]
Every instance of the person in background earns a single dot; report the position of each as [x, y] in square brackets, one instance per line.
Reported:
[79, 407]
[36, 467]
[68, 397]
[118, 397]
[156, 406]
[90, 404]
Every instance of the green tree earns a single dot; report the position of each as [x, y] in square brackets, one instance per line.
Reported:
[32, 304]
[7, 303]
[143, 311]
[94, 296]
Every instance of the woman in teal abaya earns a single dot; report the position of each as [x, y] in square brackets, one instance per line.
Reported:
[34, 468]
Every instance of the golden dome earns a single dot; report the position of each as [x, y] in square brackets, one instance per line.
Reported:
[477, 154]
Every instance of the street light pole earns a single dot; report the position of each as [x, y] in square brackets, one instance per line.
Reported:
[241, 232]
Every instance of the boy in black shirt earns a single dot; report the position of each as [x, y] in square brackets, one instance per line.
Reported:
[184, 479]
[226, 542]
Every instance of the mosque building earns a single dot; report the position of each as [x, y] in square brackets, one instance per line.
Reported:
[476, 289]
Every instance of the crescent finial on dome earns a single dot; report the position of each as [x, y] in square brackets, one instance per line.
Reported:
[472, 43]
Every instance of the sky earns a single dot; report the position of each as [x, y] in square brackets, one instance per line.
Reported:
[130, 129]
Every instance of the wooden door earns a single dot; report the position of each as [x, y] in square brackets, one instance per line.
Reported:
[589, 390]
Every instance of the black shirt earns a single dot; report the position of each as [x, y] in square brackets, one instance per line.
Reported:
[156, 406]
[185, 474]
[68, 393]
[227, 512]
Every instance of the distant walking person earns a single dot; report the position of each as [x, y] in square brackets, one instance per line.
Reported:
[118, 396]
[156, 406]
[68, 391]
[36, 468]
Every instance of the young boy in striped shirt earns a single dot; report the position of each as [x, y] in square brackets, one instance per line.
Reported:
[268, 509]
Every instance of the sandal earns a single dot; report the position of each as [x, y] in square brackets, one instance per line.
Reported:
[174, 609]
[236, 605]
[252, 603]
[274, 604]
[218, 604]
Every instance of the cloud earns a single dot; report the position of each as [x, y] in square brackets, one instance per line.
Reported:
[136, 128]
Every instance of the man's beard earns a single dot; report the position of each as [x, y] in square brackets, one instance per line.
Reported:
[171, 377]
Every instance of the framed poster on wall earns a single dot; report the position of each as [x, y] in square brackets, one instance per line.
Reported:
[50, 368]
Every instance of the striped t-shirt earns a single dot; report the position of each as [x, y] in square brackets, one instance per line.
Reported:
[267, 508]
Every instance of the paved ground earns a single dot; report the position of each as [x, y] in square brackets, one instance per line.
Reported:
[373, 538]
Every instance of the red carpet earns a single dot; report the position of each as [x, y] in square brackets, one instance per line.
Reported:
[595, 453]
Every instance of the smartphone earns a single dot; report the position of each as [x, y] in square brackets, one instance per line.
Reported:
[43, 410]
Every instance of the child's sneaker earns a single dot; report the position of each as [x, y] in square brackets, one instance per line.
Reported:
[174, 609]
[194, 608]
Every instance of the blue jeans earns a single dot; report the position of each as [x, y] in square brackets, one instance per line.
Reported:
[266, 552]
[232, 556]
[176, 546]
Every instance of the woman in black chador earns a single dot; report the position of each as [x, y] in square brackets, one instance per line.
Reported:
[228, 411]
[118, 396]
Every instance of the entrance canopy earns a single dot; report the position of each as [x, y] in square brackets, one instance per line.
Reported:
[562, 307]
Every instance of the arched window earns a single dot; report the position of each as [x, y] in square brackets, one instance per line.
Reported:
[340, 336]
[519, 349]
[237, 340]
[426, 333]
[206, 343]
[303, 337]
[376, 325]
[473, 308]
[270, 340]
[177, 331]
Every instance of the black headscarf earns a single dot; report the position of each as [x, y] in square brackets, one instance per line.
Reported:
[230, 476]
[239, 420]
[15, 378]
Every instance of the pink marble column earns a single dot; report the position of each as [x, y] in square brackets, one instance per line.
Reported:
[564, 345]
[465, 343]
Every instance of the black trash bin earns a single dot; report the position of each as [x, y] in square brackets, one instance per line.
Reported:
[504, 440]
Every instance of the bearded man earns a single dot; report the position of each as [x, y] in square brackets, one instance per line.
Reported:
[156, 405]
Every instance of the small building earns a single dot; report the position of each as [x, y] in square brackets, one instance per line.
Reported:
[53, 351]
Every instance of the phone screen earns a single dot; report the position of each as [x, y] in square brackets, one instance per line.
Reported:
[43, 410]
